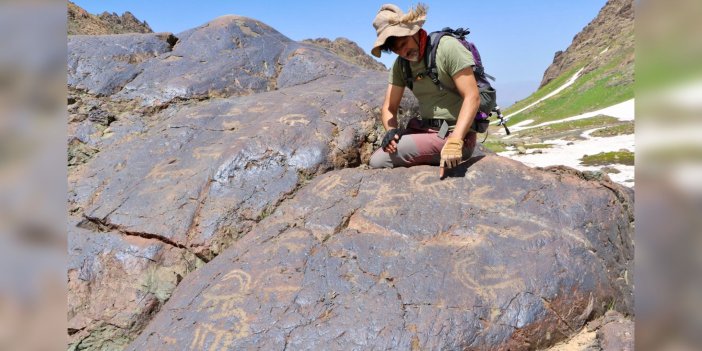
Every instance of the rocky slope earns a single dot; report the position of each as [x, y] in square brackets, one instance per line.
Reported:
[349, 51]
[523, 259]
[612, 30]
[80, 22]
[229, 142]
[228, 206]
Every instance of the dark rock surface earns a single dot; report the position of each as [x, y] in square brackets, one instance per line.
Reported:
[231, 56]
[499, 257]
[209, 170]
[222, 148]
[190, 175]
[103, 64]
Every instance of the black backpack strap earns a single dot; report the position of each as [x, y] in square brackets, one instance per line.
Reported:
[430, 57]
[406, 72]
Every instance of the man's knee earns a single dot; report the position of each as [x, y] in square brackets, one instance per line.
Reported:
[380, 159]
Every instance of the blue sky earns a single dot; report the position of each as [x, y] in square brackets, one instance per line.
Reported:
[517, 38]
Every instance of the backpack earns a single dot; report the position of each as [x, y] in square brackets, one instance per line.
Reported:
[488, 95]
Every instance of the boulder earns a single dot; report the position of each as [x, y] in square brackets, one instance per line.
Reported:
[496, 256]
[207, 171]
[103, 64]
[188, 177]
[223, 151]
[231, 56]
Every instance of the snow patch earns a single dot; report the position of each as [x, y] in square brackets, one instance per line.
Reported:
[624, 111]
[561, 153]
[569, 153]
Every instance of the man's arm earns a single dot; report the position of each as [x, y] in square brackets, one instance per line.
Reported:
[468, 89]
[388, 114]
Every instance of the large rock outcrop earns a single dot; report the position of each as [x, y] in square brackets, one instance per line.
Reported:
[229, 56]
[103, 64]
[206, 172]
[499, 257]
[194, 175]
[222, 147]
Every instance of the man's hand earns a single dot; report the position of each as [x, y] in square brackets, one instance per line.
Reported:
[390, 140]
[451, 154]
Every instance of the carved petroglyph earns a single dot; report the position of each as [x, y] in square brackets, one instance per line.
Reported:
[429, 182]
[224, 304]
[258, 108]
[294, 119]
[168, 169]
[541, 229]
[241, 278]
[484, 192]
[216, 338]
[486, 281]
[207, 152]
[227, 322]
[294, 241]
[234, 111]
[278, 283]
[386, 202]
[326, 185]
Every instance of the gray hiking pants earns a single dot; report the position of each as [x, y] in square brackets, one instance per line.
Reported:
[419, 146]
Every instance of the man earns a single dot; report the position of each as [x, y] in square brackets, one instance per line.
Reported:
[456, 104]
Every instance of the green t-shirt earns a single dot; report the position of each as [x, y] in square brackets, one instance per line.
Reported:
[451, 57]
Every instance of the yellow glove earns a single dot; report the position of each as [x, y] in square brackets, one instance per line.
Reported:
[451, 154]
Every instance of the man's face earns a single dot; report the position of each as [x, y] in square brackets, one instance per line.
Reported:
[407, 48]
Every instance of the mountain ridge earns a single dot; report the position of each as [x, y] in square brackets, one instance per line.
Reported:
[610, 33]
[349, 51]
[80, 22]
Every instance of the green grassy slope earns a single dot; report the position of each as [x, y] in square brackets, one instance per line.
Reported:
[594, 90]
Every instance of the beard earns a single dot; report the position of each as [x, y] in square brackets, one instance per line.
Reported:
[413, 55]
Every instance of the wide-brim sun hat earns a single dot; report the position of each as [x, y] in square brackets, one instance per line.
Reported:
[392, 22]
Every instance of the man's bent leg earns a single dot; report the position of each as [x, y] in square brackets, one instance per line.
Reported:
[419, 149]
[412, 149]
[380, 159]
